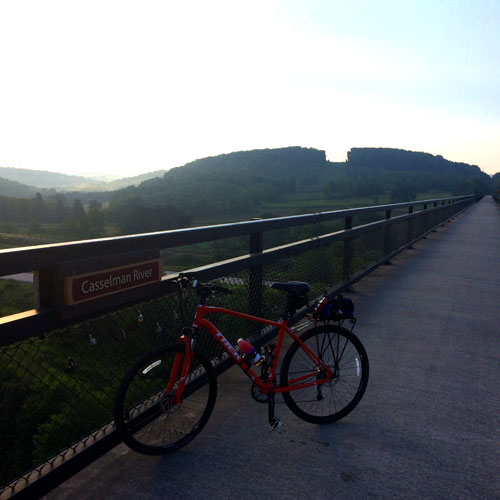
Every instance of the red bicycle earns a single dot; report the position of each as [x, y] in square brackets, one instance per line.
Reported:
[168, 395]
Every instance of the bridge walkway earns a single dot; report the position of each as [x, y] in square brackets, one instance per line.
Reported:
[428, 426]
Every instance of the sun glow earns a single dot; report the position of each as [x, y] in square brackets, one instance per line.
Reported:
[128, 87]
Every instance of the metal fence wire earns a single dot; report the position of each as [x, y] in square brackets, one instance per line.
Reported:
[57, 388]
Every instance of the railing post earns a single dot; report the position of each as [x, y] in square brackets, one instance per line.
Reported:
[426, 219]
[45, 288]
[410, 226]
[387, 235]
[348, 250]
[255, 283]
[435, 217]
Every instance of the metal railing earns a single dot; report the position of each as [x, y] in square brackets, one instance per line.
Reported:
[56, 418]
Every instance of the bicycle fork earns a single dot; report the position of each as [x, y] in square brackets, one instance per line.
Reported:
[185, 359]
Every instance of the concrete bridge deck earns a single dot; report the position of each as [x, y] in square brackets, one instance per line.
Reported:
[427, 427]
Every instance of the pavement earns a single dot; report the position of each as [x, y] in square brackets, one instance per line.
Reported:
[427, 427]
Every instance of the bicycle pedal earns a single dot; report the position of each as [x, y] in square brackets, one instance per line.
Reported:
[275, 424]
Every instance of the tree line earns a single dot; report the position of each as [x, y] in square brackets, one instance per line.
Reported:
[73, 219]
[87, 221]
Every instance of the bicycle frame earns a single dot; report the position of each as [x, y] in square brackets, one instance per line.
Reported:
[150, 410]
[265, 386]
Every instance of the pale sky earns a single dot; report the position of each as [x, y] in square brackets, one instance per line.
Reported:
[127, 87]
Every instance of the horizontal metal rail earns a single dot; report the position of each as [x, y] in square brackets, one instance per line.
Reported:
[25, 259]
[43, 319]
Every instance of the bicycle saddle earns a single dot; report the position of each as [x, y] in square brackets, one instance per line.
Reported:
[297, 288]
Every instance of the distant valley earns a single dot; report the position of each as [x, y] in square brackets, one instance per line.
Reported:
[25, 183]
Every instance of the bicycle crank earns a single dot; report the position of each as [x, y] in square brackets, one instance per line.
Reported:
[257, 394]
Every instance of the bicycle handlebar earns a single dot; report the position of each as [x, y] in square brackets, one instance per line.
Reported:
[204, 288]
[221, 289]
[210, 288]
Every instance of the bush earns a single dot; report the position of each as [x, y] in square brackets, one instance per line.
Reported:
[36, 228]
[8, 227]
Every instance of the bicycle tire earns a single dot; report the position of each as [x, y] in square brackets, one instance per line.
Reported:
[147, 419]
[345, 355]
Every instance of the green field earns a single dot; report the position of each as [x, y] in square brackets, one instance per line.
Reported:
[15, 297]
[306, 203]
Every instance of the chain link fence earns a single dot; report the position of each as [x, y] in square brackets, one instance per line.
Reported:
[58, 387]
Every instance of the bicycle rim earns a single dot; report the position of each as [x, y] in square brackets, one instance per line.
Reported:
[345, 356]
[149, 418]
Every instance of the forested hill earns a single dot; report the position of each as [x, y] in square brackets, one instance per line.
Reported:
[239, 181]
[232, 182]
[414, 171]
[244, 185]
[400, 159]
[41, 178]
[15, 189]
[31, 181]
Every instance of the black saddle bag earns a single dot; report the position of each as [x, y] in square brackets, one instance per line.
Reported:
[336, 309]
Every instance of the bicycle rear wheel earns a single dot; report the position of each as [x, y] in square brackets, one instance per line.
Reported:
[148, 418]
[345, 356]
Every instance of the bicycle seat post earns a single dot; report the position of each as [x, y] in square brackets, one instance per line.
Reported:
[289, 309]
[296, 295]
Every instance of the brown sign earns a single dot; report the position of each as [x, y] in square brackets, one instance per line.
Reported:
[104, 282]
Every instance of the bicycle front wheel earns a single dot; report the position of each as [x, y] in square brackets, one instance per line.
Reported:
[155, 421]
[344, 355]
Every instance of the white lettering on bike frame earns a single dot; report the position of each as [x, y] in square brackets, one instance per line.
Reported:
[228, 345]
[151, 366]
